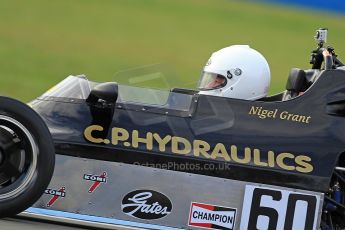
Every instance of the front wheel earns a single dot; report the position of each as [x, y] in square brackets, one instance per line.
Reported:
[27, 157]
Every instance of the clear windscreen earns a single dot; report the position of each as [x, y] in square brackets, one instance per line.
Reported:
[154, 98]
[73, 87]
[78, 87]
[138, 95]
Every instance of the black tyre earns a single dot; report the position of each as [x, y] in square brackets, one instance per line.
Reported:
[27, 157]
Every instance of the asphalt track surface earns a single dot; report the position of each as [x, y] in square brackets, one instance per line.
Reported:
[25, 224]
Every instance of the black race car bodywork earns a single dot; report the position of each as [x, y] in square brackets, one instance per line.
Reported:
[295, 143]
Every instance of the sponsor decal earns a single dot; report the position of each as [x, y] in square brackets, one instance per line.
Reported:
[146, 204]
[61, 193]
[199, 148]
[270, 208]
[211, 216]
[263, 113]
[97, 180]
[229, 75]
[237, 72]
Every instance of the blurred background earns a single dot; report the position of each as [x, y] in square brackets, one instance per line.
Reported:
[42, 42]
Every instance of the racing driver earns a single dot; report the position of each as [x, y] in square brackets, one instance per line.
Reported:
[236, 71]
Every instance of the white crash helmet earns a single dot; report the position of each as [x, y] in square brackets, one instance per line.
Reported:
[236, 71]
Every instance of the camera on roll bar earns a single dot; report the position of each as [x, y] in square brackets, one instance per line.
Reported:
[317, 58]
[321, 36]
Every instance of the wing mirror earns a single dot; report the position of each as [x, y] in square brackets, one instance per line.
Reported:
[108, 92]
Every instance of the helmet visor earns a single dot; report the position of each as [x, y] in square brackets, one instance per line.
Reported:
[210, 81]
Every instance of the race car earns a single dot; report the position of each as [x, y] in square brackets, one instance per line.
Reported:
[152, 159]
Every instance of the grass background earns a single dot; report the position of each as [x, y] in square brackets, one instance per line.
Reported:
[42, 42]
